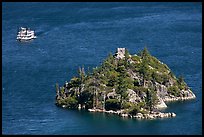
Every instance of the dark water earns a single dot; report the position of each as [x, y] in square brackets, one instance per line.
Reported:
[75, 34]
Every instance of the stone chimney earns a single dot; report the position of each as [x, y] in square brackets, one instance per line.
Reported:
[120, 53]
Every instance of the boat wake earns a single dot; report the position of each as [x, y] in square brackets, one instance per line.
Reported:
[38, 33]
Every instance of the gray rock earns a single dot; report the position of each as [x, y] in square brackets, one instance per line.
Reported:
[160, 104]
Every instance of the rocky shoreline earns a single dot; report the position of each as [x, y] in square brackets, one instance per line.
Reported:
[170, 99]
[151, 115]
[135, 86]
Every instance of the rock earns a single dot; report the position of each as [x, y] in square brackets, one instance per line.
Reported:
[139, 115]
[79, 107]
[99, 110]
[150, 117]
[161, 89]
[172, 98]
[161, 104]
[173, 114]
[161, 115]
[135, 116]
[111, 111]
[130, 116]
[124, 115]
[91, 110]
[112, 95]
[130, 60]
[133, 97]
[146, 116]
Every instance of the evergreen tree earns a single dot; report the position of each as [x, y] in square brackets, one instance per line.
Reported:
[181, 83]
[151, 99]
[127, 56]
[180, 79]
[145, 53]
[145, 71]
[81, 73]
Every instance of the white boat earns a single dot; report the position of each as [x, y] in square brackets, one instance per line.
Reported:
[25, 34]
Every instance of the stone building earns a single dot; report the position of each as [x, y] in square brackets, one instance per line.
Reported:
[120, 53]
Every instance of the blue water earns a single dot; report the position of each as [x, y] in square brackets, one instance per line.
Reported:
[75, 34]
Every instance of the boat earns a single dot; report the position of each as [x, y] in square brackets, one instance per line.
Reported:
[25, 34]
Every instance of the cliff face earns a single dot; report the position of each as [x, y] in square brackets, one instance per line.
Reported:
[132, 83]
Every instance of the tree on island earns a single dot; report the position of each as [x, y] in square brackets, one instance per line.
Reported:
[128, 83]
[151, 99]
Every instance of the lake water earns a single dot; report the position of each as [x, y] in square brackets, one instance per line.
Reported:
[75, 34]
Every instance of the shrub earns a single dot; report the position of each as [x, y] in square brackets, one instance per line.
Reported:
[135, 58]
[157, 77]
[124, 94]
[136, 82]
[112, 104]
[160, 78]
[173, 90]
[141, 104]
[134, 110]
[70, 102]
[140, 89]
[125, 105]
[143, 111]
[181, 83]
[75, 82]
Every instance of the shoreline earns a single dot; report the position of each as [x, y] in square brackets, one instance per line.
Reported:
[170, 99]
[151, 115]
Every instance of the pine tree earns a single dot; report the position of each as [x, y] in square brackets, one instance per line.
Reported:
[151, 99]
[81, 74]
[145, 53]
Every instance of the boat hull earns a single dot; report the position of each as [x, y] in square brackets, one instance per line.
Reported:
[25, 40]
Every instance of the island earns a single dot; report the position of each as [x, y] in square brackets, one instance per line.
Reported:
[135, 86]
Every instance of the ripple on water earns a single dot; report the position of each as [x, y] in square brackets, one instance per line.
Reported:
[79, 34]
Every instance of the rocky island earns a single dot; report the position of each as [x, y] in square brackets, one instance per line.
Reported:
[136, 86]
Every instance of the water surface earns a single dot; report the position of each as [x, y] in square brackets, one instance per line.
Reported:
[75, 34]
